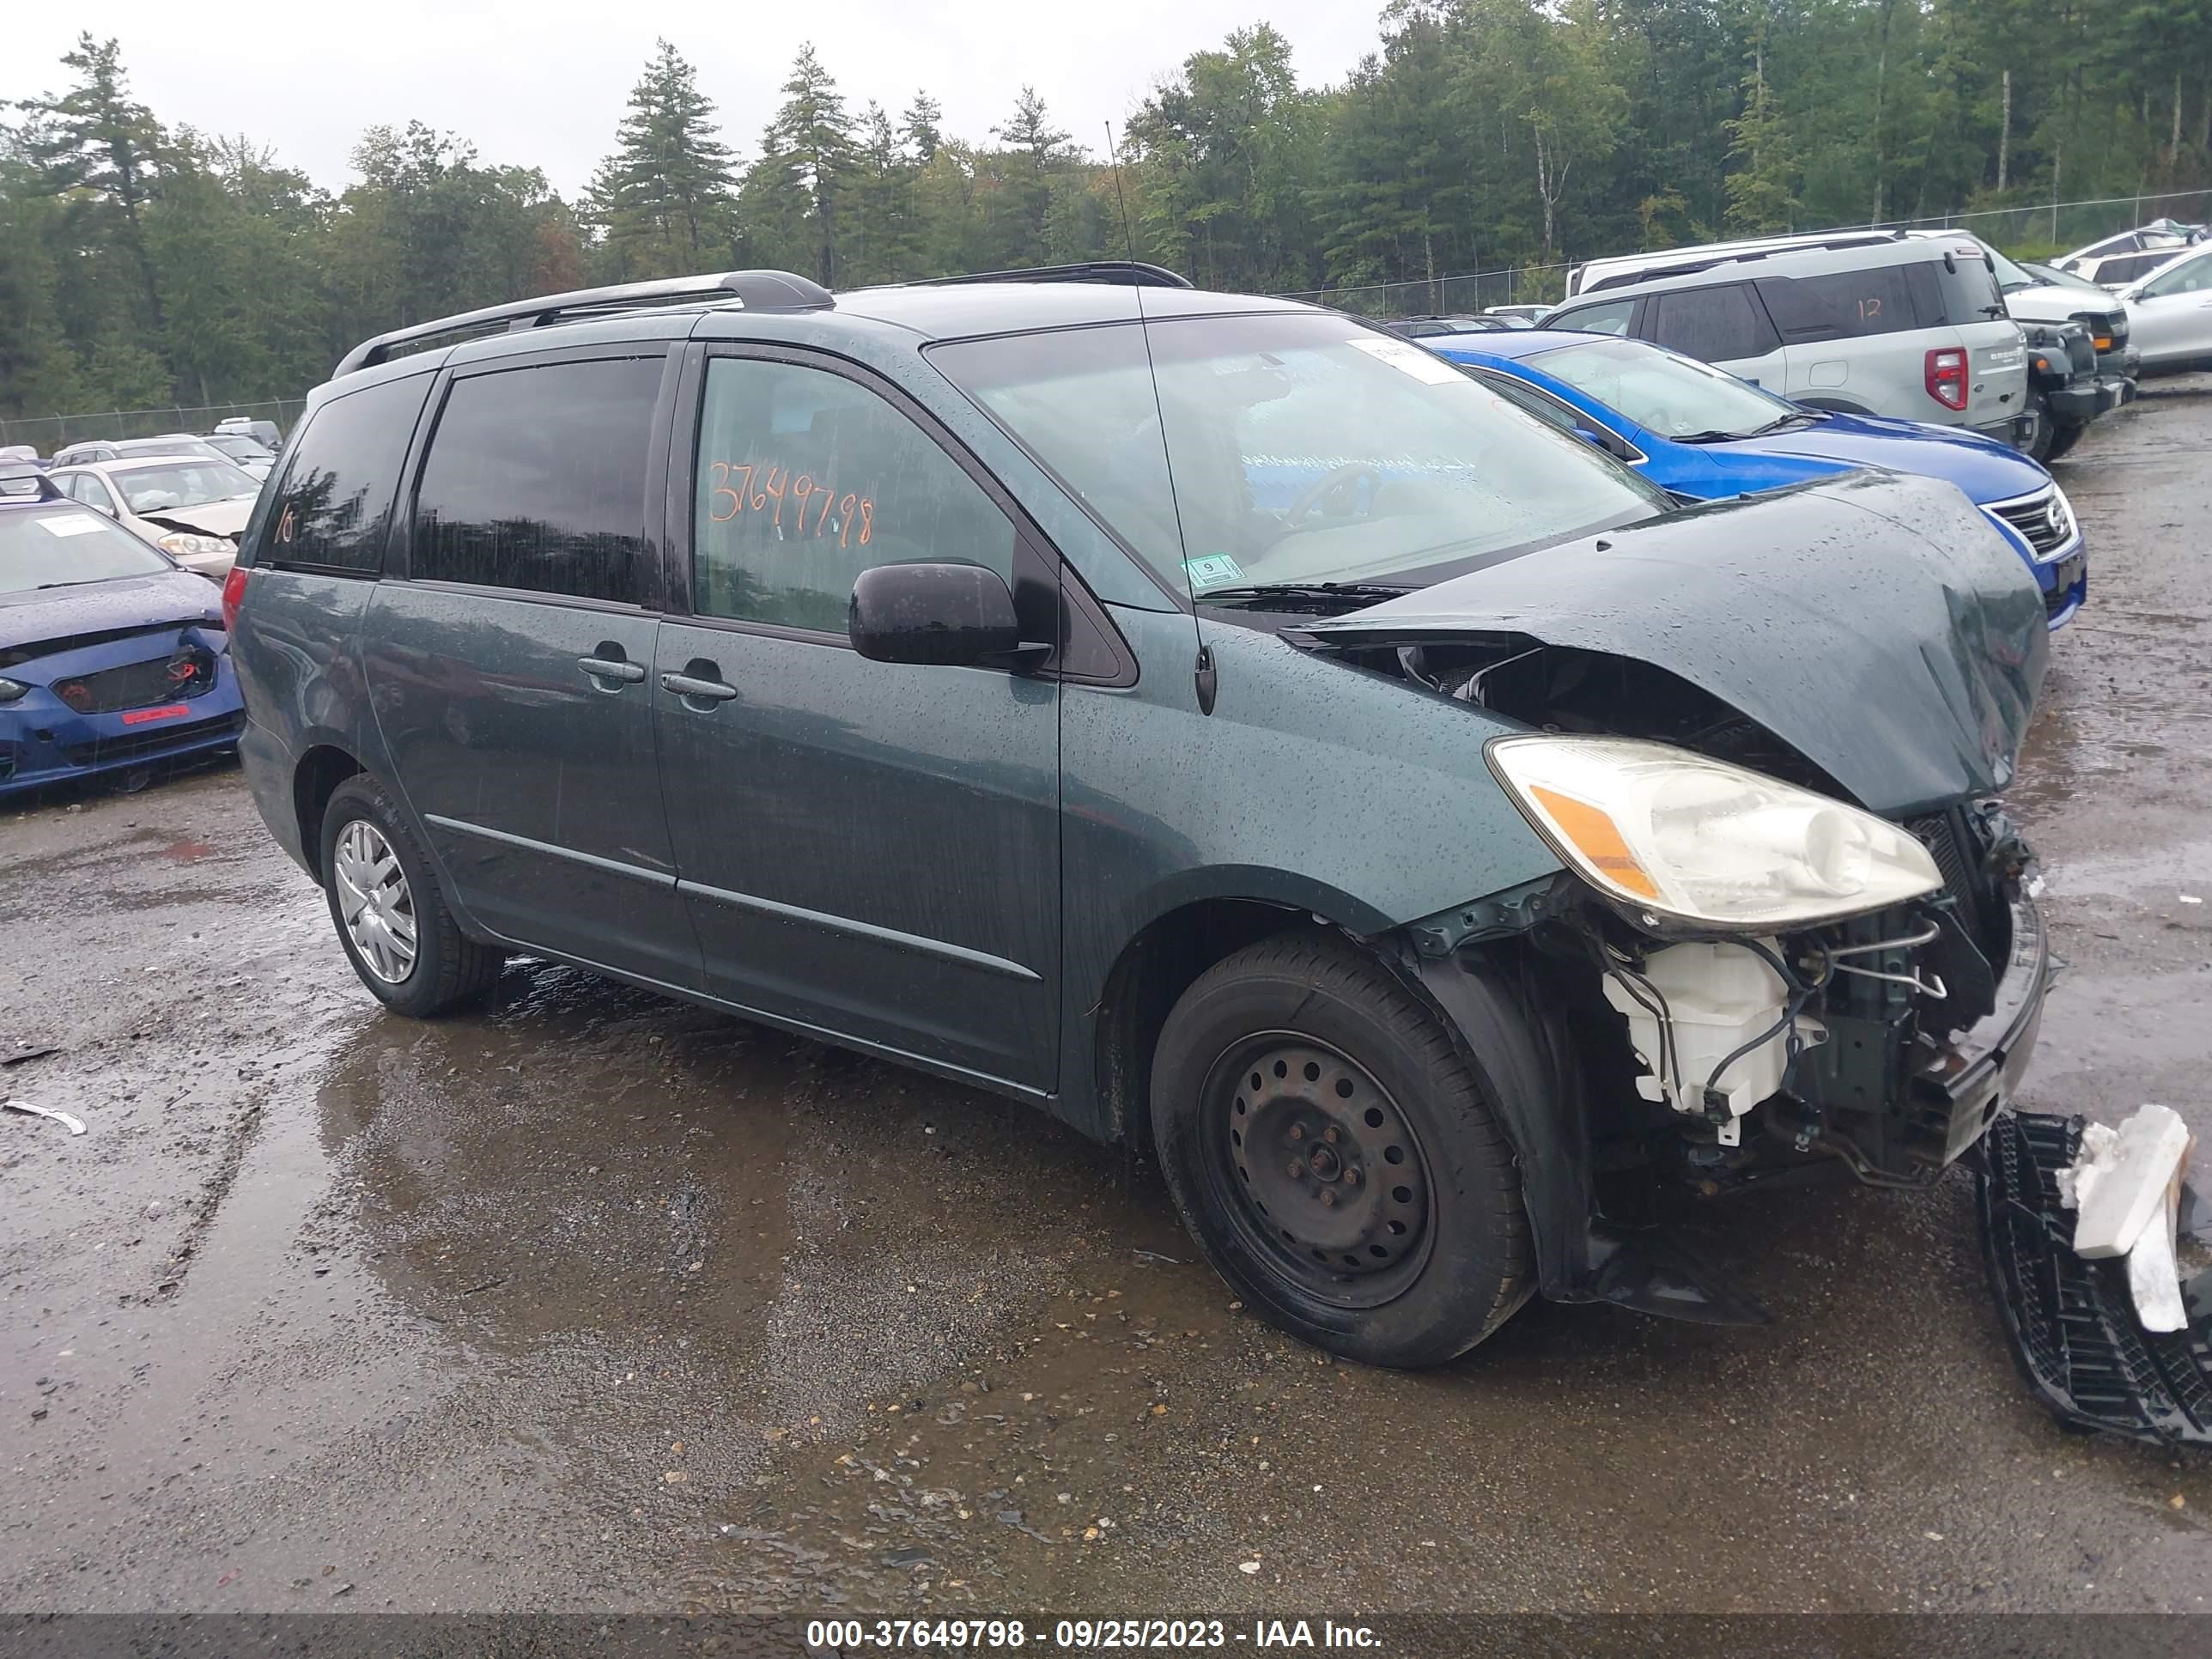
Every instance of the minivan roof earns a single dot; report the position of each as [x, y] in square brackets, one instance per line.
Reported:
[1799, 261]
[1058, 296]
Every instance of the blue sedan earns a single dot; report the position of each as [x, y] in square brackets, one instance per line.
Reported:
[1703, 435]
[112, 659]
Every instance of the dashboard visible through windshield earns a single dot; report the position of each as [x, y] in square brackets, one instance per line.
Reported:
[1266, 449]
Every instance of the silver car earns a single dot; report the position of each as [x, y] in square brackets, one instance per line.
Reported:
[192, 507]
[1904, 327]
[2170, 311]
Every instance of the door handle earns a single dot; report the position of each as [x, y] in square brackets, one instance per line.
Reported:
[612, 668]
[685, 685]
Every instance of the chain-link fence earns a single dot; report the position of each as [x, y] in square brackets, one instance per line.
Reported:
[2042, 231]
[1447, 296]
[2049, 228]
[48, 433]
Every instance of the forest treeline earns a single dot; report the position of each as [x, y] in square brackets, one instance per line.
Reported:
[144, 264]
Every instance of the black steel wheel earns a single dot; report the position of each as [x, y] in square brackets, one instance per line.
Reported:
[2037, 427]
[1338, 1156]
[2063, 438]
[1319, 1168]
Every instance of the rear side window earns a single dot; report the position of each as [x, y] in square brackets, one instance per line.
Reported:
[536, 480]
[1848, 305]
[1960, 293]
[1713, 324]
[336, 499]
[1609, 319]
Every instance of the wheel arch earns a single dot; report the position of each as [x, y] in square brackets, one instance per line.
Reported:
[1186, 934]
[321, 768]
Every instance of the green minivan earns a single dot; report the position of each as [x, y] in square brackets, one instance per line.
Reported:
[1215, 720]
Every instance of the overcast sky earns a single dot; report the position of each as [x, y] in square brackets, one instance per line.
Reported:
[544, 85]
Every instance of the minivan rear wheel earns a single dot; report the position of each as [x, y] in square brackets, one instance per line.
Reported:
[389, 912]
[1335, 1157]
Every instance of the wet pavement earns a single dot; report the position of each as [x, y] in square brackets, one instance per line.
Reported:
[594, 1301]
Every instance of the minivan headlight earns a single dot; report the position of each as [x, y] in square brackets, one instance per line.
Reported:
[1689, 839]
[12, 689]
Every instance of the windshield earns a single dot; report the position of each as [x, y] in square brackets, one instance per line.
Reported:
[240, 449]
[182, 483]
[2061, 278]
[63, 546]
[178, 446]
[1305, 448]
[2010, 275]
[1673, 396]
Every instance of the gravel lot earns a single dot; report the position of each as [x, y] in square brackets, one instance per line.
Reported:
[594, 1301]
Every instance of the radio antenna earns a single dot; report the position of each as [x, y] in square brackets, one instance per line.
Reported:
[1202, 672]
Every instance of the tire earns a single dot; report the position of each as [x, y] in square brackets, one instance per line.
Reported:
[2063, 438]
[444, 970]
[2043, 436]
[1303, 1043]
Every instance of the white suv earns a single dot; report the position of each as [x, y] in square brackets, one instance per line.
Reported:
[1900, 327]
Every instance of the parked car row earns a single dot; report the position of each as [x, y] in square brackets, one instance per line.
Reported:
[1905, 325]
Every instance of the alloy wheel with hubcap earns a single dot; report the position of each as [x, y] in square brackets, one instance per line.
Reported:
[375, 905]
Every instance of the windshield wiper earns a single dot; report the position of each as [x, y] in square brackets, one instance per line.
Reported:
[1353, 594]
[1774, 425]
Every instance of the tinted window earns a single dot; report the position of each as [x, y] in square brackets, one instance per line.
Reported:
[1957, 295]
[806, 479]
[536, 480]
[1610, 318]
[1851, 305]
[1713, 324]
[337, 499]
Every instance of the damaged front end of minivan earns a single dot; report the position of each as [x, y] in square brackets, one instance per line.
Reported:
[1793, 924]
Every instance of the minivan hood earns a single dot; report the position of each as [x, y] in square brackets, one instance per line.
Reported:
[1876, 624]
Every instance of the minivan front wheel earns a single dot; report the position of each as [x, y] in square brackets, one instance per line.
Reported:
[390, 915]
[1327, 1147]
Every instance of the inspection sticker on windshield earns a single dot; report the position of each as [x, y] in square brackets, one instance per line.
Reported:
[74, 524]
[1214, 570]
[1423, 366]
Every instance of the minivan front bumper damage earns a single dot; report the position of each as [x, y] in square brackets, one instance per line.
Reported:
[1902, 1118]
[2072, 1324]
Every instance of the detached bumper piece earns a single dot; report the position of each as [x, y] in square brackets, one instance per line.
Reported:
[2073, 1326]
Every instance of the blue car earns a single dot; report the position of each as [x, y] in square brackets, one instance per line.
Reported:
[1705, 435]
[112, 657]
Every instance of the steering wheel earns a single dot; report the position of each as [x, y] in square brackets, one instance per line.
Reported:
[1336, 482]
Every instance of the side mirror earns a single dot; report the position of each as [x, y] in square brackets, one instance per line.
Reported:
[1591, 435]
[948, 615]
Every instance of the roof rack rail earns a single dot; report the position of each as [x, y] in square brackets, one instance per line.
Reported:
[755, 290]
[1691, 267]
[1126, 273]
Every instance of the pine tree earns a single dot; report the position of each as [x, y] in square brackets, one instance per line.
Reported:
[1761, 190]
[795, 194]
[97, 147]
[919, 127]
[1039, 151]
[665, 200]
